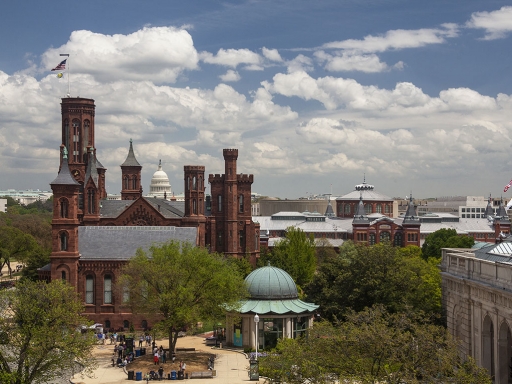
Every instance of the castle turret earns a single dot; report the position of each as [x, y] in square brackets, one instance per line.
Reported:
[131, 177]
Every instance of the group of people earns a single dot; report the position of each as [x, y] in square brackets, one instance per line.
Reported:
[159, 355]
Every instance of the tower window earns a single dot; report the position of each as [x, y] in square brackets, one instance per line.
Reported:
[194, 183]
[91, 204]
[134, 182]
[63, 241]
[194, 207]
[126, 182]
[63, 275]
[89, 289]
[63, 208]
[76, 141]
[219, 203]
[241, 203]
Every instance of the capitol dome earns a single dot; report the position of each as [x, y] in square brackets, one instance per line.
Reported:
[271, 283]
[160, 186]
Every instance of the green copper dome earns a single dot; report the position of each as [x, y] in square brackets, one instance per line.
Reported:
[271, 283]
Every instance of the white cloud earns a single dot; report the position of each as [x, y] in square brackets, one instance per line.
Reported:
[272, 54]
[230, 75]
[497, 24]
[348, 62]
[300, 63]
[232, 57]
[397, 39]
[158, 54]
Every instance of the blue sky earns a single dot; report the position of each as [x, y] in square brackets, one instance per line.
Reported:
[414, 94]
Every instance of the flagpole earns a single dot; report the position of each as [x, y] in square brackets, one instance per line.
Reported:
[68, 71]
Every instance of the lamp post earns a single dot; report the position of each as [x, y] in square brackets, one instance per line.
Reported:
[256, 321]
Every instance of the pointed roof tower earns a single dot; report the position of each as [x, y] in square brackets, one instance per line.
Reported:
[329, 212]
[64, 177]
[360, 216]
[92, 168]
[501, 215]
[411, 216]
[131, 161]
[488, 210]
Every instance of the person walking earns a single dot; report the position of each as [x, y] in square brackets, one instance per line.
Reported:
[141, 339]
[161, 372]
[156, 360]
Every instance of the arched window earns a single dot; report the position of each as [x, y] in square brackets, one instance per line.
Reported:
[126, 182]
[63, 208]
[378, 208]
[91, 203]
[89, 289]
[241, 203]
[134, 182]
[194, 207]
[87, 125]
[63, 241]
[76, 141]
[107, 289]
[66, 132]
[219, 203]
[126, 324]
[398, 240]
[144, 325]
[194, 183]
[371, 239]
[63, 275]
[107, 324]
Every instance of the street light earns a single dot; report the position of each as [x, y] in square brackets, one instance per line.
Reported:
[256, 321]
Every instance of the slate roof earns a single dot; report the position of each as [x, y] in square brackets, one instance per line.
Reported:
[92, 171]
[168, 209]
[64, 177]
[121, 243]
[113, 208]
[130, 161]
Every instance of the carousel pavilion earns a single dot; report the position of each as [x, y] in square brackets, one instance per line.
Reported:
[273, 296]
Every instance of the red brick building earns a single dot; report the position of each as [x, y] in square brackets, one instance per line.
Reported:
[94, 237]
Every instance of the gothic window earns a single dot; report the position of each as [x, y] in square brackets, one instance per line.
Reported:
[371, 239]
[378, 208]
[241, 238]
[385, 236]
[126, 324]
[126, 182]
[107, 289]
[134, 182]
[219, 237]
[91, 205]
[194, 207]
[219, 203]
[89, 289]
[63, 241]
[63, 275]
[66, 134]
[241, 203]
[107, 324]
[87, 125]
[63, 208]
[194, 183]
[398, 239]
[76, 141]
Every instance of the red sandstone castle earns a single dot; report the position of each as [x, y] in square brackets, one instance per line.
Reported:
[94, 237]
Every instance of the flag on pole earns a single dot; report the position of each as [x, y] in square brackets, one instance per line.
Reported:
[61, 66]
[507, 186]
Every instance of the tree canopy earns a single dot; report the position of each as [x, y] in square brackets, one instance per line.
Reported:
[40, 336]
[296, 254]
[372, 346]
[444, 238]
[15, 244]
[362, 276]
[179, 284]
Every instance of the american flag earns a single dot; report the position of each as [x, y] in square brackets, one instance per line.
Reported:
[61, 66]
[507, 186]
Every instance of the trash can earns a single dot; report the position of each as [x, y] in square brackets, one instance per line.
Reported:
[130, 375]
[172, 375]
[180, 375]
[142, 351]
[138, 376]
[137, 353]
[254, 373]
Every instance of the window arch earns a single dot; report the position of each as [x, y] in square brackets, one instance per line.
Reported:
[241, 203]
[107, 289]
[107, 324]
[134, 182]
[63, 241]
[194, 183]
[76, 140]
[126, 182]
[219, 203]
[194, 207]
[63, 207]
[89, 289]
[91, 200]
[63, 275]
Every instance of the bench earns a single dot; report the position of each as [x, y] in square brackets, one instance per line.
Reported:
[202, 375]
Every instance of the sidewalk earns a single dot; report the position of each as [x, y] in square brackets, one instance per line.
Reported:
[231, 366]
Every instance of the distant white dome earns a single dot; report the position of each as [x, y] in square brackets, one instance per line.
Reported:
[160, 186]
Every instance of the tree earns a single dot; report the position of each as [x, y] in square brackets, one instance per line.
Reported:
[444, 238]
[373, 346]
[362, 276]
[324, 251]
[14, 244]
[296, 255]
[40, 337]
[181, 284]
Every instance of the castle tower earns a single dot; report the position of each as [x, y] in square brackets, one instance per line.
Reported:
[411, 225]
[131, 177]
[194, 190]
[65, 222]
[360, 223]
[92, 191]
[232, 230]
